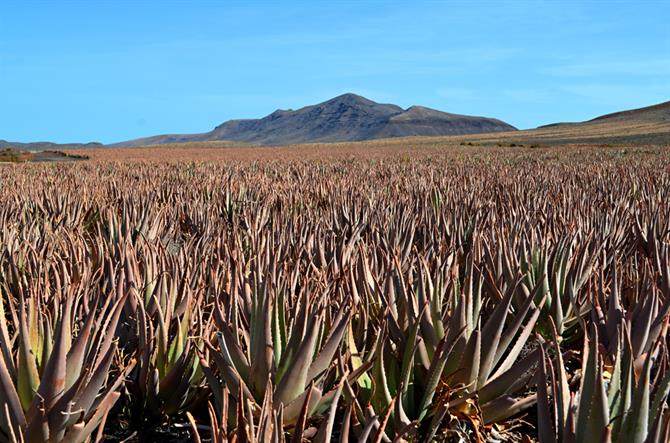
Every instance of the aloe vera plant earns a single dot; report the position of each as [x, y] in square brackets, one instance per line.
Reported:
[612, 404]
[168, 378]
[58, 386]
[163, 324]
[264, 347]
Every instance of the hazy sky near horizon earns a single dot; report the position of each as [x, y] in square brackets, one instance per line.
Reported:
[115, 70]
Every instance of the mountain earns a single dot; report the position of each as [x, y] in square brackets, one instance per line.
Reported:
[348, 117]
[46, 146]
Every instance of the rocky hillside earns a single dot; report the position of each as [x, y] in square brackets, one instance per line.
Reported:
[348, 117]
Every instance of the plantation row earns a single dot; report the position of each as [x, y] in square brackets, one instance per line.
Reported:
[441, 297]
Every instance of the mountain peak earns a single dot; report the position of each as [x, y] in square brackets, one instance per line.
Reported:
[350, 98]
[351, 110]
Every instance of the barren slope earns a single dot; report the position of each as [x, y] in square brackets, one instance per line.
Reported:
[348, 117]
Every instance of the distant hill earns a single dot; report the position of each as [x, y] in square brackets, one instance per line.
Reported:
[648, 125]
[348, 117]
[659, 114]
[46, 146]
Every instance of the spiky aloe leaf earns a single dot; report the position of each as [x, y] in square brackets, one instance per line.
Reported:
[593, 413]
[325, 356]
[521, 341]
[5, 342]
[28, 379]
[469, 365]
[660, 397]
[295, 380]
[407, 390]
[52, 384]
[232, 354]
[622, 399]
[562, 394]
[14, 417]
[513, 328]
[546, 432]
[364, 381]
[636, 422]
[326, 429]
[75, 358]
[443, 352]
[518, 374]
[307, 401]
[491, 334]
[260, 351]
[506, 406]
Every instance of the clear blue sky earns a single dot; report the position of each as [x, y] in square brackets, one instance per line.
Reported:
[115, 70]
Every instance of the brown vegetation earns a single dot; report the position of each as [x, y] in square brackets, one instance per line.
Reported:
[13, 156]
[326, 293]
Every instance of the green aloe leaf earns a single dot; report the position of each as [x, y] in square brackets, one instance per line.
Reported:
[636, 422]
[295, 380]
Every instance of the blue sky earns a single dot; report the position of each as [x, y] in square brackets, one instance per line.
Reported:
[115, 70]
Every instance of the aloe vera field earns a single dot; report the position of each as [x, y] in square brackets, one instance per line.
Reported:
[448, 294]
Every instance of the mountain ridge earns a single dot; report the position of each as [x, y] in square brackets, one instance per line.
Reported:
[650, 124]
[347, 117]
